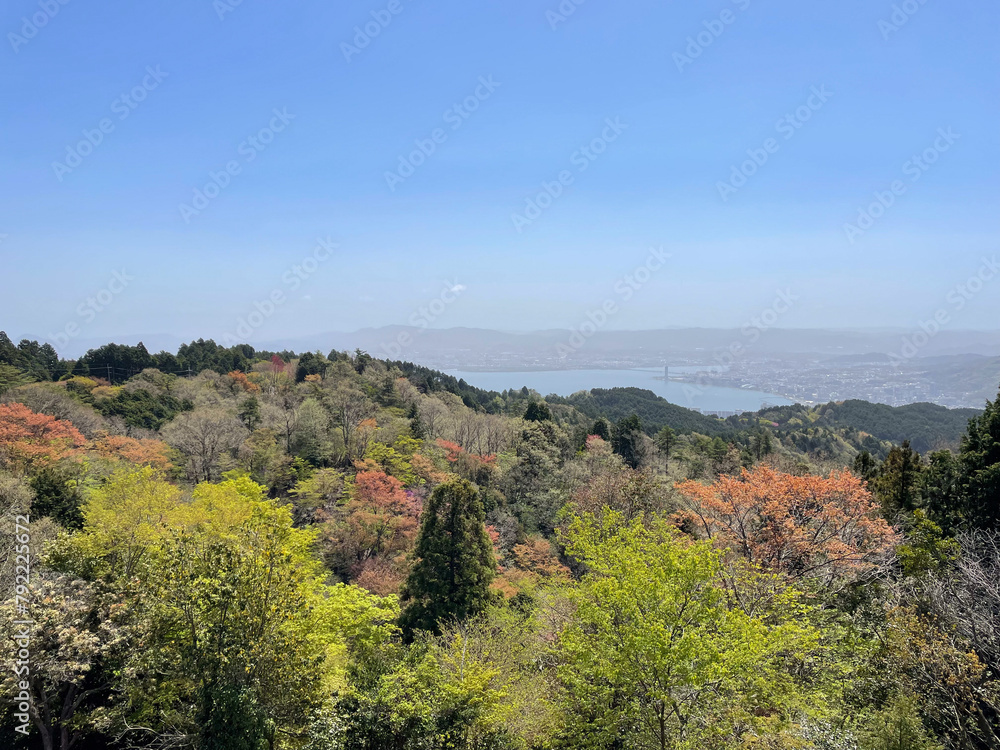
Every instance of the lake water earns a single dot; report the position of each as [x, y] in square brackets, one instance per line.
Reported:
[566, 382]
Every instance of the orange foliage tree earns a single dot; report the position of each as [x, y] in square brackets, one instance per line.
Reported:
[801, 527]
[29, 440]
[425, 469]
[240, 382]
[538, 556]
[141, 452]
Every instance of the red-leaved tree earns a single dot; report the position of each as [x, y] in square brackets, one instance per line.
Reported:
[376, 527]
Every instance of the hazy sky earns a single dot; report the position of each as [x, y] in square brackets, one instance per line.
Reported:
[642, 108]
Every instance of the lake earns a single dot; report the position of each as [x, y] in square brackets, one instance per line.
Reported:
[566, 382]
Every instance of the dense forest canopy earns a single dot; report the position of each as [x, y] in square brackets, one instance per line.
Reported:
[243, 549]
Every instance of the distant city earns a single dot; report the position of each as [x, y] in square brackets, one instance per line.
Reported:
[949, 381]
[820, 382]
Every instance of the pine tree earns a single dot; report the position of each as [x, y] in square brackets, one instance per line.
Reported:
[454, 561]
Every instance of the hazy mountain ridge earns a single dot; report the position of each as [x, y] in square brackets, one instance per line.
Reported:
[447, 342]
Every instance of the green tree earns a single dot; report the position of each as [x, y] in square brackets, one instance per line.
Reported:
[141, 408]
[38, 361]
[926, 549]
[58, 493]
[940, 490]
[249, 413]
[865, 466]
[602, 428]
[899, 480]
[317, 494]
[898, 727]
[311, 436]
[537, 411]
[266, 461]
[454, 564]
[531, 481]
[477, 686]
[11, 377]
[118, 362]
[666, 438]
[416, 425]
[230, 614]
[310, 364]
[240, 636]
[657, 656]
[980, 460]
[626, 440]
[761, 444]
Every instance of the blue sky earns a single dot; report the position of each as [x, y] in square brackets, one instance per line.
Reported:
[222, 69]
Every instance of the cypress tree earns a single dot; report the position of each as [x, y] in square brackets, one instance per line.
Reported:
[455, 563]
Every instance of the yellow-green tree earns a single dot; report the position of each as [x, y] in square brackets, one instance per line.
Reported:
[239, 637]
[657, 653]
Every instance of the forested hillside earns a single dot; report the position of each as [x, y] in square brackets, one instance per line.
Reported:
[248, 550]
[926, 426]
[654, 411]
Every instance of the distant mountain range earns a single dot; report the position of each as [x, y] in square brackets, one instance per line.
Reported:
[447, 345]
